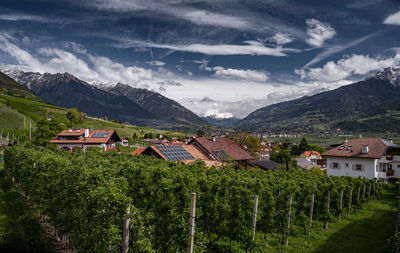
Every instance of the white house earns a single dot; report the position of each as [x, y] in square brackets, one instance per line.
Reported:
[83, 138]
[365, 157]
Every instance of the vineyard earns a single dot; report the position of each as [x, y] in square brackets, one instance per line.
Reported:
[86, 196]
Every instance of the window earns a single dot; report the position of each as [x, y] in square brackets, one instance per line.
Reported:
[341, 147]
[358, 167]
[348, 148]
[398, 165]
[335, 166]
[346, 165]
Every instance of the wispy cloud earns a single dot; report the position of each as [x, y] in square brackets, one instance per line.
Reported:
[23, 17]
[338, 48]
[318, 32]
[281, 38]
[393, 19]
[156, 63]
[239, 74]
[363, 3]
[249, 47]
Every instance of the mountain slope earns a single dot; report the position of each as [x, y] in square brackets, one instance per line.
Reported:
[65, 90]
[162, 107]
[10, 85]
[222, 122]
[349, 103]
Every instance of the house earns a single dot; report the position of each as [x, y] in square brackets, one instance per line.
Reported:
[365, 157]
[124, 141]
[213, 151]
[311, 155]
[184, 153]
[83, 138]
[221, 149]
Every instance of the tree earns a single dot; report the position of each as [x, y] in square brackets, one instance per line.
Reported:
[74, 116]
[134, 136]
[303, 145]
[45, 131]
[283, 157]
[201, 132]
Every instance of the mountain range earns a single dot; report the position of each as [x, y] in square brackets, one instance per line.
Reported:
[117, 101]
[371, 105]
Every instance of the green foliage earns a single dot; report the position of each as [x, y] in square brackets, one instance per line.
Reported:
[74, 116]
[86, 195]
[45, 131]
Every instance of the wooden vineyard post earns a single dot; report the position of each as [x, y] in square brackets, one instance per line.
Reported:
[340, 204]
[351, 195]
[30, 130]
[125, 240]
[369, 191]
[311, 213]
[327, 209]
[365, 188]
[253, 226]
[288, 222]
[191, 222]
[358, 198]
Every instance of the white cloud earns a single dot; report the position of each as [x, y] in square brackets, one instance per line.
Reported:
[57, 60]
[281, 38]
[239, 74]
[393, 19]
[156, 63]
[348, 66]
[250, 47]
[318, 32]
[338, 48]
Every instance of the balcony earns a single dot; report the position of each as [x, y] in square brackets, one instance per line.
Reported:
[389, 173]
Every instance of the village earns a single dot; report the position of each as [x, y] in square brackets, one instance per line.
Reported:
[372, 158]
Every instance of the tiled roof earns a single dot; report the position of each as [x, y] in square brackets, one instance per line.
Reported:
[223, 144]
[138, 151]
[376, 148]
[310, 153]
[83, 140]
[72, 132]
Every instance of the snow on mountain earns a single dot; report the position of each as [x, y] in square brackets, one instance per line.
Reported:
[390, 74]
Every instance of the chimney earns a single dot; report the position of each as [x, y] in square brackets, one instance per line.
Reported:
[86, 132]
[365, 149]
[214, 139]
[346, 140]
[69, 130]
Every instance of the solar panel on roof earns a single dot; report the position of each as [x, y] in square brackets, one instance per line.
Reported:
[173, 153]
[220, 154]
[99, 135]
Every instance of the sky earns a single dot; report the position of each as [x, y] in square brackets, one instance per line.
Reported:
[217, 58]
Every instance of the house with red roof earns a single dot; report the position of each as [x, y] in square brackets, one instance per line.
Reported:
[365, 157]
[212, 151]
[311, 156]
[83, 138]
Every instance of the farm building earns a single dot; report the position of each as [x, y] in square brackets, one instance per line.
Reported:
[83, 138]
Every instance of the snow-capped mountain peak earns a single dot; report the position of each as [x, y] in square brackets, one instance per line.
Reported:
[390, 74]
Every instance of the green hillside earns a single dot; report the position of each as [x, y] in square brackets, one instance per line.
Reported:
[13, 109]
[8, 85]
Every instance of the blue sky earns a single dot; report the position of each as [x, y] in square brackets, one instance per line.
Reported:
[224, 58]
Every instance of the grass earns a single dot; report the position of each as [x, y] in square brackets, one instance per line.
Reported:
[20, 230]
[369, 230]
[12, 118]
